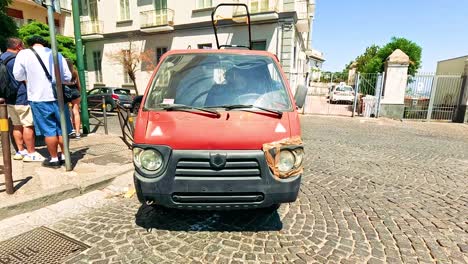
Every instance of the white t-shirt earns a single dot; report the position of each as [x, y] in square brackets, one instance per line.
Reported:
[27, 68]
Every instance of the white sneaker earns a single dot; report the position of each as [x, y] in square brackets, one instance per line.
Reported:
[33, 157]
[20, 155]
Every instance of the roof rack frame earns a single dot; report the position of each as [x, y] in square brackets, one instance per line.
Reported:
[216, 29]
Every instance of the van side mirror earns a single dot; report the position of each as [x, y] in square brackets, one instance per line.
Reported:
[300, 96]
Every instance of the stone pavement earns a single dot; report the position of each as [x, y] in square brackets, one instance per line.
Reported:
[374, 191]
[96, 159]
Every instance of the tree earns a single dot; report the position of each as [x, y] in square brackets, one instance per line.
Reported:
[65, 45]
[373, 59]
[411, 49]
[131, 58]
[7, 25]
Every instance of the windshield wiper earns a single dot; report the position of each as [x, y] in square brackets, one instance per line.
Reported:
[175, 107]
[241, 106]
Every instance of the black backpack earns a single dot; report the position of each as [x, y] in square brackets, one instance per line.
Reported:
[7, 89]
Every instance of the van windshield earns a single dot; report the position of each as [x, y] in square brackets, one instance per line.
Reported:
[218, 80]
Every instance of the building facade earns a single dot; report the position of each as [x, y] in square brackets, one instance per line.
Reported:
[108, 27]
[25, 11]
[452, 66]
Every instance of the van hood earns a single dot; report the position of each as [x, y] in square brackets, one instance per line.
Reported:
[234, 130]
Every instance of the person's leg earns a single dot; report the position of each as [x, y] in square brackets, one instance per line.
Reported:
[26, 119]
[18, 136]
[45, 123]
[29, 139]
[68, 121]
[76, 115]
[52, 145]
[17, 130]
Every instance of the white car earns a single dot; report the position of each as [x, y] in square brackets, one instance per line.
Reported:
[341, 93]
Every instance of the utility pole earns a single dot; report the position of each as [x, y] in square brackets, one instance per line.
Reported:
[58, 83]
[80, 66]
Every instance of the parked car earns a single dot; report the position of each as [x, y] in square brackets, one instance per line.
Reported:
[342, 93]
[136, 103]
[113, 96]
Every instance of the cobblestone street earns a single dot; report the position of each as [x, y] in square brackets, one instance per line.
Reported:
[375, 191]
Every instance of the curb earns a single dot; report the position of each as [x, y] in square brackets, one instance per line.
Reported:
[56, 195]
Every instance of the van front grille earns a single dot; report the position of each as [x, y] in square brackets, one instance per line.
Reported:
[234, 168]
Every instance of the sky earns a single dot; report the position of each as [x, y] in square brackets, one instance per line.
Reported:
[342, 29]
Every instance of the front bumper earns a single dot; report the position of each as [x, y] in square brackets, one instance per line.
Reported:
[189, 182]
[348, 98]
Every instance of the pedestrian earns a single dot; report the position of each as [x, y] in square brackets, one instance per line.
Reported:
[18, 107]
[36, 67]
[75, 84]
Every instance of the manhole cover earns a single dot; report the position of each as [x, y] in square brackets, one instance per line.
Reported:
[40, 245]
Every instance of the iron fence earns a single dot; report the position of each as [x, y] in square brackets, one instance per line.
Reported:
[432, 97]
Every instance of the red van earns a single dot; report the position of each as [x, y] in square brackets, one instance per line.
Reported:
[218, 129]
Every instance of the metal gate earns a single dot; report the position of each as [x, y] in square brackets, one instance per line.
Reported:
[432, 97]
[368, 94]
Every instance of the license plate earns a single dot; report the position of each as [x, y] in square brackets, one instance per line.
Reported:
[127, 105]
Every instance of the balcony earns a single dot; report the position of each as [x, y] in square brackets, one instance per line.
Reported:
[92, 29]
[157, 20]
[259, 10]
[66, 5]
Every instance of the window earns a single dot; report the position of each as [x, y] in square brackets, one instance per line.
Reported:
[160, 4]
[83, 7]
[97, 60]
[88, 8]
[205, 46]
[126, 78]
[159, 53]
[259, 45]
[204, 4]
[124, 10]
[95, 91]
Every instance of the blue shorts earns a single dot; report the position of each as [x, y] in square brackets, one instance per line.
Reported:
[46, 116]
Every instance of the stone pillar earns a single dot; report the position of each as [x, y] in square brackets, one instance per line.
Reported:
[392, 104]
[461, 116]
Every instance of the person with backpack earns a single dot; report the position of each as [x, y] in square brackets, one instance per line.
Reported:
[18, 107]
[35, 66]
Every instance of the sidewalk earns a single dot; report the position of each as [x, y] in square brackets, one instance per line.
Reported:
[96, 159]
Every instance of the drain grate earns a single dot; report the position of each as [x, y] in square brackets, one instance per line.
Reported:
[40, 245]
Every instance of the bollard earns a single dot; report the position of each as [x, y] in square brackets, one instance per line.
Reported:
[104, 111]
[4, 129]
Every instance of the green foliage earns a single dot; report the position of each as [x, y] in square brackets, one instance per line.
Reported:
[373, 59]
[65, 45]
[366, 61]
[7, 25]
[411, 49]
[334, 77]
[4, 4]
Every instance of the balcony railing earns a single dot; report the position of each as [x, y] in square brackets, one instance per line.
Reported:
[92, 27]
[257, 7]
[157, 18]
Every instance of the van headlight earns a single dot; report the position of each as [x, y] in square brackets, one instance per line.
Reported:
[286, 161]
[148, 159]
[299, 157]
